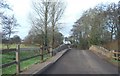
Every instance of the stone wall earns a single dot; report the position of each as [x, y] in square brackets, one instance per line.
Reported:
[101, 51]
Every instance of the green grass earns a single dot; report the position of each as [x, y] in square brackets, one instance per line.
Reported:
[9, 57]
[116, 61]
[24, 65]
[0, 46]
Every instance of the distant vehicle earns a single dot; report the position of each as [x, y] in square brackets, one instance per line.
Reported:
[67, 42]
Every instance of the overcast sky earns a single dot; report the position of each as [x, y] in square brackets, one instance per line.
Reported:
[73, 11]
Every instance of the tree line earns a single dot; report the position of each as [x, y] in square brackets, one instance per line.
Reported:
[97, 26]
[44, 20]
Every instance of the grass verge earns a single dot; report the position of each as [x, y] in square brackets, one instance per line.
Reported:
[23, 65]
[9, 57]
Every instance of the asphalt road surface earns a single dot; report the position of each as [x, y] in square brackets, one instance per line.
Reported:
[81, 62]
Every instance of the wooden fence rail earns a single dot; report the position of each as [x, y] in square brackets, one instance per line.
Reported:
[7, 64]
[116, 55]
[18, 60]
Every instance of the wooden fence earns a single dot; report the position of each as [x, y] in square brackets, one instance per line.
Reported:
[18, 60]
[116, 55]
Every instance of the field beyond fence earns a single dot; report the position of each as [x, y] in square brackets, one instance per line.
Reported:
[18, 59]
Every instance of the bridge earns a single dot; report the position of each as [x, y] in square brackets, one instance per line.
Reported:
[75, 61]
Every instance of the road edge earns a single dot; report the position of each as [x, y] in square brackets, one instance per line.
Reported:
[41, 67]
[53, 62]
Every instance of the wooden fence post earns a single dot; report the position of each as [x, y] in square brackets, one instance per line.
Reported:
[51, 51]
[18, 59]
[7, 46]
[41, 53]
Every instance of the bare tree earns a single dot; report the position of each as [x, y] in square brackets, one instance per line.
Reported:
[3, 5]
[47, 13]
[8, 22]
[57, 10]
[118, 25]
[8, 25]
[41, 9]
[112, 19]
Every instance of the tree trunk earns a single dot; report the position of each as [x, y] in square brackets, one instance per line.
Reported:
[46, 16]
[119, 34]
[53, 39]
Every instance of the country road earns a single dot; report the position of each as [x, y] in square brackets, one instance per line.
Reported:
[81, 62]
